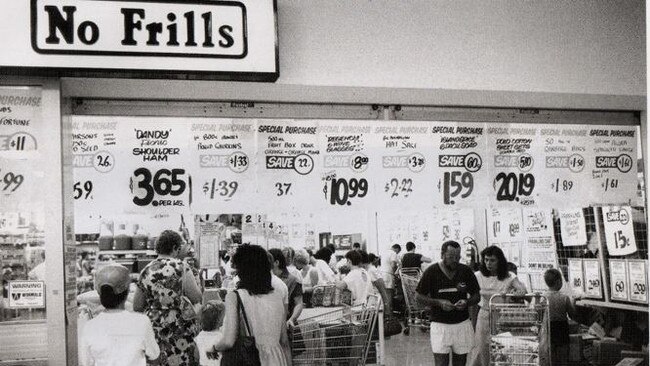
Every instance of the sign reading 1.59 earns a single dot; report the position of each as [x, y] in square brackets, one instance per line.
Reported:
[164, 182]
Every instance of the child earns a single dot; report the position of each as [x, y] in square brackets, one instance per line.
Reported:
[211, 320]
[560, 305]
[117, 337]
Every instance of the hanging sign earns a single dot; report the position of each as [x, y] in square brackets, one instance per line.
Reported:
[576, 276]
[26, 294]
[593, 284]
[505, 230]
[637, 271]
[619, 231]
[573, 228]
[211, 40]
[618, 281]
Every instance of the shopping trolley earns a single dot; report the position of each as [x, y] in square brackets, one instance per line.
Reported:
[518, 330]
[337, 338]
[416, 315]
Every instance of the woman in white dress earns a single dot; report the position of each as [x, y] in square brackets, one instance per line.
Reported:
[264, 308]
[493, 278]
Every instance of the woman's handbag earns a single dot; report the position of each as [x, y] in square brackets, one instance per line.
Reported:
[392, 326]
[243, 352]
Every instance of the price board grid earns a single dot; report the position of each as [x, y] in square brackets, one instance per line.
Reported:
[564, 253]
[640, 235]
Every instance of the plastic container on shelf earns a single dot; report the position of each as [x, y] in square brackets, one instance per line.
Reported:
[151, 243]
[105, 240]
[140, 239]
[122, 239]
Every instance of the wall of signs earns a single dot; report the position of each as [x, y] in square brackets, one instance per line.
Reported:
[388, 181]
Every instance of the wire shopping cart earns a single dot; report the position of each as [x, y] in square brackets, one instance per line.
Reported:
[337, 338]
[518, 330]
[416, 315]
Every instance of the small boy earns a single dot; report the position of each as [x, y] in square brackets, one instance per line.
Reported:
[117, 337]
[212, 314]
[560, 305]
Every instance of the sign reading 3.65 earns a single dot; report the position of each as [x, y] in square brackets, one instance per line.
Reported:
[165, 183]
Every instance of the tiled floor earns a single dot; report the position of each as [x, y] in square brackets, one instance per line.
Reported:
[411, 350]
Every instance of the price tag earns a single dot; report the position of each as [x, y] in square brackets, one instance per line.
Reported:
[162, 187]
[618, 282]
[592, 279]
[576, 278]
[637, 271]
[619, 231]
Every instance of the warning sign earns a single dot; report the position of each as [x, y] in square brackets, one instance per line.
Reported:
[26, 294]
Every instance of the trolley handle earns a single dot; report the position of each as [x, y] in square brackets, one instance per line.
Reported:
[536, 296]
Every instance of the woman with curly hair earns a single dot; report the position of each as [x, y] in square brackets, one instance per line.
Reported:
[161, 285]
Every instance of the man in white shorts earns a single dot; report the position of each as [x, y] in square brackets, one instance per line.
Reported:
[449, 287]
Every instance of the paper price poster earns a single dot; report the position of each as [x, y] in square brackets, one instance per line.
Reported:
[210, 233]
[637, 271]
[573, 227]
[566, 166]
[21, 181]
[576, 276]
[618, 282]
[452, 224]
[592, 279]
[537, 222]
[619, 231]
[223, 158]
[21, 121]
[288, 164]
[505, 230]
[513, 152]
[613, 156]
[349, 178]
[404, 174]
[460, 164]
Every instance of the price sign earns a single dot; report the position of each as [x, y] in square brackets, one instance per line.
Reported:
[618, 282]
[159, 188]
[457, 185]
[593, 282]
[10, 181]
[637, 271]
[83, 190]
[576, 278]
[399, 188]
[612, 156]
[514, 187]
[619, 230]
[345, 191]
[220, 190]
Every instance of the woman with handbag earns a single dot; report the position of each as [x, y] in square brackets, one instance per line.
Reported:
[255, 329]
[167, 291]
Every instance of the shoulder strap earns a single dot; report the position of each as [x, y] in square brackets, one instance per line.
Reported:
[240, 305]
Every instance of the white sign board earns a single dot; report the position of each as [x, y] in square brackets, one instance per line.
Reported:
[26, 294]
[576, 277]
[618, 280]
[619, 232]
[573, 228]
[593, 284]
[220, 39]
[637, 271]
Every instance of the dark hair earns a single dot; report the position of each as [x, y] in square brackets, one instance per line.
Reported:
[109, 299]
[84, 255]
[278, 256]
[372, 258]
[324, 253]
[512, 267]
[553, 278]
[168, 241]
[310, 252]
[212, 315]
[365, 258]
[445, 245]
[253, 269]
[397, 246]
[356, 245]
[354, 257]
[331, 247]
[410, 246]
[502, 262]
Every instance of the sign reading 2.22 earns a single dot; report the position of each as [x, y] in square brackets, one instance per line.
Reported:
[164, 182]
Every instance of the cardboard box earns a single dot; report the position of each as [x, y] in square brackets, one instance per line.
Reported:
[608, 352]
[630, 361]
[635, 354]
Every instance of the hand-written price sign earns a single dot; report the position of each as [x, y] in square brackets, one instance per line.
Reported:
[618, 280]
[11, 181]
[637, 271]
[342, 191]
[619, 230]
[166, 183]
[576, 276]
[593, 284]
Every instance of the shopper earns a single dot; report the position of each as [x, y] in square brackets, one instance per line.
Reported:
[411, 259]
[449, 287]
[358, 280]
[389, 264]
[378, 286]
[325, 273]
[161, 285]
[116, 337]
[493, 278]
[560, 305]
[289, 255]
[263, 307]
[308, 275]
[294, 286]
[212, 314]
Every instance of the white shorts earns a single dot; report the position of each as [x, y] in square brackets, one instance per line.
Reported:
[458, 338]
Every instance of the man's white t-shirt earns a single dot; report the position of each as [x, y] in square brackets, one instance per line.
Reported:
[205, 341]
[387, 271]
[118, 338]
[358, 282]
[325, 273]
